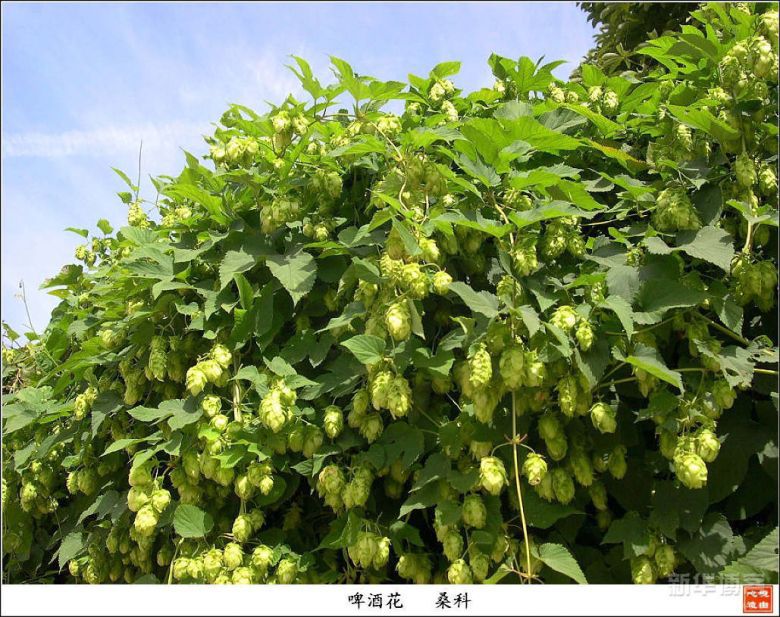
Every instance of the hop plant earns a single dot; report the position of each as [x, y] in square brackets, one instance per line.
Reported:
[480, 367]
[691, 470]
[333, 421]
[399, 397]
[506, 267]
[643, 571]
[492, 475]
[474, 511]
[459, 573]
[675, 212]
[603, 417]
[441, 282]
[584, 335]
[534, 468]
[510, 366]
[564, 317]
[398, 321]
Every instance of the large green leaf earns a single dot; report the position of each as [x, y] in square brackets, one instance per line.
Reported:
[559, 558]
[296, 272]
[366, 348]
[191, 522]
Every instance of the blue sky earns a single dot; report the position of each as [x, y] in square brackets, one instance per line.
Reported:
[83, 84]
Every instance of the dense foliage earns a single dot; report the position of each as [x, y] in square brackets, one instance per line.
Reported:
[524, 333]
[623, 27]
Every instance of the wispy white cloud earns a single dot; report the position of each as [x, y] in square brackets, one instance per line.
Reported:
[100, 141]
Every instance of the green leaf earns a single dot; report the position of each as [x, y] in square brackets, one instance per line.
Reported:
[72, 546]
[482, 302]
[126, 179]
[410, 243]
[712, 244]
[183, 412]
[623, 311]
[105, 226]
[245, 291]
[424, 498]
[632, 532]
[558, 558]
[660, 295]
[711, 546]
[704, 121]
[121, 444]
[211, 203]
[650, 361]
[368, 349]
[605, 125]
[234, 262]
[296, 272]
[623, 281]
[675, 507]
[479, 170]
[543, 515]
[191, 522]
[764, 555]
[551, 210]
[401, 531]
[445, 69]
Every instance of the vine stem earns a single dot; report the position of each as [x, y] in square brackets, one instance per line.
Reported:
[519, 492]
[726, 331]
[173, 559]
[760, 371]
[236, 396]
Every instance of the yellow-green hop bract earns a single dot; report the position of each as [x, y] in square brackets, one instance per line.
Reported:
[333, 421]
[511, 365]
[617, 464]
[643, 571]
[665, 560]
[441, 282]
[261, 558]
[398, 321]
[480, 367]
[563, 485]
[160, 499]
[598, 495]
[474, 511]
[399, 397]
[233, 556]
[242, 528]
[492, 475]
[584, 335]
[603, 417]
[459, 573]
[534, 468]
[196, 380]
[707, 445]
[675, 212]
[564, 318]
[380, 388]
[286, 571]
[691, 470]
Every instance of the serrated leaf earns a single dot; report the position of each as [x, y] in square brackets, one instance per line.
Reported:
[712, 244]
[72, 546]
[558, 558]
[632, 532]
[368, 349]
[191, 522]
[649, 361]
[623, 310]
[234, 262]
[482, 302]
[296, 272]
